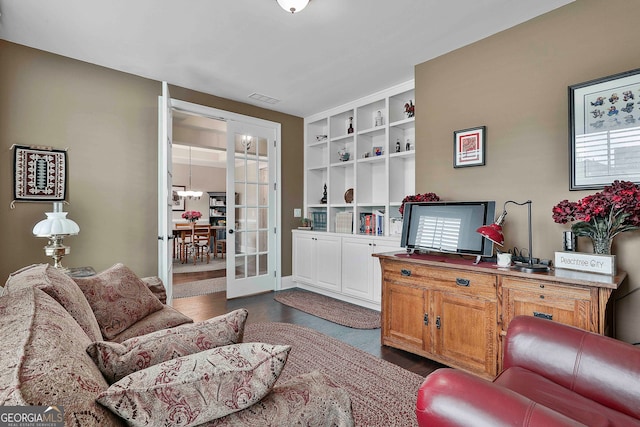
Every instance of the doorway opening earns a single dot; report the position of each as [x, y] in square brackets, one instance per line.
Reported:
[199, 163]
[252, 213]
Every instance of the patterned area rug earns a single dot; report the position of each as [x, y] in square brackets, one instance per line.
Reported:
[331, 309]
[200, 287]
[382, 394]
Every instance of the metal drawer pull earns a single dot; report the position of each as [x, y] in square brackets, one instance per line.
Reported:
[405, 272]
[463, 282]
[426, 318]
[438, 322]
[543, 315]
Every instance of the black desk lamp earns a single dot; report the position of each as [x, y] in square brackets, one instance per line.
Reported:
[493, 232]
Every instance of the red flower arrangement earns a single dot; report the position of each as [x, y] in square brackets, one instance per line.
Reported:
[426, 197]
[601, 216]
[191, 215]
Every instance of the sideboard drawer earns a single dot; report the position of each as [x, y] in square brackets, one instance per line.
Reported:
[459, 281]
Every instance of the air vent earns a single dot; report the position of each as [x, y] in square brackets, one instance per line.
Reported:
[263, 98]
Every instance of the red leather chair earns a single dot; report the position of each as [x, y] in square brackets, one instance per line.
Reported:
[553, 375]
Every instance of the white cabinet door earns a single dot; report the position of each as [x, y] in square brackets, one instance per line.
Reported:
[304, 258]
[376, 272]
[356, 271]
[329, 262]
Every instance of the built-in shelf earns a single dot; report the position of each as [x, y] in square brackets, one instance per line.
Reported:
[379, 175]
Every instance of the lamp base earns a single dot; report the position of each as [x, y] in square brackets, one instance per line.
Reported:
[532, 268]
[56, 250]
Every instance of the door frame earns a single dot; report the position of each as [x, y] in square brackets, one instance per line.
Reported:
[226, 116]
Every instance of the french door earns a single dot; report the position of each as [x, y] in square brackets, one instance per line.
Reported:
[251, 224]
[165, 221]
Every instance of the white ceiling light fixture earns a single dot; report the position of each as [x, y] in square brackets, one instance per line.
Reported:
[293, 6]
[190, 193]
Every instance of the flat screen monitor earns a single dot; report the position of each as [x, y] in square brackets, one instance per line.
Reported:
[447, 227]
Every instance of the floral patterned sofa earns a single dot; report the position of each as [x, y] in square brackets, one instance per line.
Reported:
[110, 353]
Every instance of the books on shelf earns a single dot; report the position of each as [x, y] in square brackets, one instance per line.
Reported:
[372, 223]
[344, 222]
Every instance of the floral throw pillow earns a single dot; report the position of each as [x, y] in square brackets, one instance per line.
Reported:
[194, 389]
[116, 361]
[118, 299]
[60, 287]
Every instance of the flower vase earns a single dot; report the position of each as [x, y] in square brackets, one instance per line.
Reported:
[602, 245]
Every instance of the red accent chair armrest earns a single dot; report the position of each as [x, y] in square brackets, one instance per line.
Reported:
[599, 368]
[450, 398]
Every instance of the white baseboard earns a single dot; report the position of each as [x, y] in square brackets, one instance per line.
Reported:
[287, 283]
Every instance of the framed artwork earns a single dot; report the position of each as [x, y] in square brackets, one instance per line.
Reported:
[39, 174]
[469, 147]
[604, 131]
[178, 203]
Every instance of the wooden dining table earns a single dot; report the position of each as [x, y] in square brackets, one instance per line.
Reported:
[183, 232]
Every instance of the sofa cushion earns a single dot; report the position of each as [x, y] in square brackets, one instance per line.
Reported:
[119, 360]
[118, 299]
[194, 389]
[44, 362]
[312, 397]
[567, 402]
[156, 286]
[168, 317]
[60, 287]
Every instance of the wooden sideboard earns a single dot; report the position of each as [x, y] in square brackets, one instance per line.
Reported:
[452, 311]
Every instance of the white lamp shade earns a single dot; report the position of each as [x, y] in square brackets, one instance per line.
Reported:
[55, 224]
[293, 6]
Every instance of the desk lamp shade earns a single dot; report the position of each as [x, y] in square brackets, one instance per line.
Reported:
[55, 228]
[493, 231]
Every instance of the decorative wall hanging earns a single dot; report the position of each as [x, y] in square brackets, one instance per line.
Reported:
[39, 174]
[604, 134]
[177, 202]
[469, 147]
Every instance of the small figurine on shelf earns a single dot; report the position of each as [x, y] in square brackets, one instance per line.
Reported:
[324, 195]
[407, 146]
[409, 109]
[350, 125]
[379, 121]
[398, 145]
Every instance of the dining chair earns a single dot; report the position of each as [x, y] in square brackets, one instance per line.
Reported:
[201, 242]
[183, 240]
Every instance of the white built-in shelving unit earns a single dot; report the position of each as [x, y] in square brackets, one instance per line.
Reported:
[378, 182]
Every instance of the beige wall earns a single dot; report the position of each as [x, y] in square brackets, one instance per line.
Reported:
[516, 83]
[108, 121]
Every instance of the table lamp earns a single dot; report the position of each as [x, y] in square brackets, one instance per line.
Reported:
[55, 228]
[494, 233]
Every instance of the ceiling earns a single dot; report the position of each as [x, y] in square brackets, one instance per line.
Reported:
[332, 52]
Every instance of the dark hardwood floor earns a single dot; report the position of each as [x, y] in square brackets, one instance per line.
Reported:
[263, 308]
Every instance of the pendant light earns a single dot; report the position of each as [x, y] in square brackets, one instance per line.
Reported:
[293, 6]
[190, 193]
